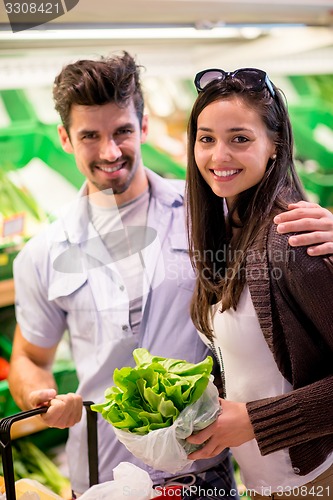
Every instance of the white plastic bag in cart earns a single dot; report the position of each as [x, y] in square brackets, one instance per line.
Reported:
[166, 449]
[129, 482]
[30, 489]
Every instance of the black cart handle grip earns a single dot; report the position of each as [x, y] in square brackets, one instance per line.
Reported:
[6, 445]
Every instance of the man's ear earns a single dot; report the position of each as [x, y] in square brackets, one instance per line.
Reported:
[64, 139]
[144, 128]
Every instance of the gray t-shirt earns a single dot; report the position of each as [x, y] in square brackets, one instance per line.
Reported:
[122, 229]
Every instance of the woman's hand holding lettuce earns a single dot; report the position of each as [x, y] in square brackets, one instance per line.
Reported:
[156, 405]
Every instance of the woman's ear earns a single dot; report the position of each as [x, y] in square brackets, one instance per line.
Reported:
[64, 139]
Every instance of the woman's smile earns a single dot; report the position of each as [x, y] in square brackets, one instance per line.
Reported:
[225, 175]
[232, 147]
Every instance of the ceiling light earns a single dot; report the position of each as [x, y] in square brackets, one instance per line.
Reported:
[123, 34]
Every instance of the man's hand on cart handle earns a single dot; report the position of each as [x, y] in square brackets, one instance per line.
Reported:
[65, 410]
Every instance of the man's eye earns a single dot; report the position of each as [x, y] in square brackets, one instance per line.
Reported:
[89, 136]
[124, 131]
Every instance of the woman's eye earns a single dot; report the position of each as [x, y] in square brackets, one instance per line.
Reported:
[205, 139]
[240, 139]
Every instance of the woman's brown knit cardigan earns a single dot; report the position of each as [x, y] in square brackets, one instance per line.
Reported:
[293, 296]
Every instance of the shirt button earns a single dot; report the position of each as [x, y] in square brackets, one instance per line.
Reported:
[121, 288]
[124, 328]
[296, 470]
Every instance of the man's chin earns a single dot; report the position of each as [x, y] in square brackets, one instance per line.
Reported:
[113, 187]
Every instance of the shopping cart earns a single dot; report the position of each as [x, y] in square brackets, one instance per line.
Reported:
[7, 456]
[6, 445]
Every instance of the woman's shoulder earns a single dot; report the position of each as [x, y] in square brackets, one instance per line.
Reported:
[278, 246]
[282, 254]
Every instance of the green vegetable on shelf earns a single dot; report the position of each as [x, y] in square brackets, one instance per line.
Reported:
[31, 463]
[17, 200]
[151, 395]
[20, 214]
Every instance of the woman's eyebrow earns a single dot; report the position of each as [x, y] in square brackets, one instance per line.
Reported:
[232, 129]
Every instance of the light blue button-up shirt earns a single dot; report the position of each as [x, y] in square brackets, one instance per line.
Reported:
[64, 280]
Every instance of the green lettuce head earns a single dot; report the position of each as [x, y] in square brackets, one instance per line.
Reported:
[151, 395]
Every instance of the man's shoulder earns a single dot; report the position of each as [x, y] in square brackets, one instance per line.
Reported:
[177, 184]
[40, 242]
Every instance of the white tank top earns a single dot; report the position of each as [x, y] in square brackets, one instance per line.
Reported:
[250, 374]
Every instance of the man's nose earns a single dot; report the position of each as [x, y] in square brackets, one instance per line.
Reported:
[110, 150]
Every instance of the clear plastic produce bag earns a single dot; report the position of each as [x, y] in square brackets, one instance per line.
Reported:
[129, 482]
[167, 449]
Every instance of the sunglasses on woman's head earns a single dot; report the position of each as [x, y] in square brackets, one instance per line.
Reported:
[252, 78]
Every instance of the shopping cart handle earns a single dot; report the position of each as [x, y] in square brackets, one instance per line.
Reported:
[92, 443]
[6, 445]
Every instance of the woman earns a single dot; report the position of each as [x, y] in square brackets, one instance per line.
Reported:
[263, 307]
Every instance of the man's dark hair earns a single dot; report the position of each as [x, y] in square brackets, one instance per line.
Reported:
[96, 82]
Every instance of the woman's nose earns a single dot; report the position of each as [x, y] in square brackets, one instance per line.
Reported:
[110, 151]
[221, 152]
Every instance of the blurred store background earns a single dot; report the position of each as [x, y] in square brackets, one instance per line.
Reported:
[292, 40]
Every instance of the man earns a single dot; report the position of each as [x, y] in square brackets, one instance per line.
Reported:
[113, 270]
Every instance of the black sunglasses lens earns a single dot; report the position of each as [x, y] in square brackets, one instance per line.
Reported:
[206, 77]
[253, 79]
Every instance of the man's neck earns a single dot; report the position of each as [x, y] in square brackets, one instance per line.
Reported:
[107, 198]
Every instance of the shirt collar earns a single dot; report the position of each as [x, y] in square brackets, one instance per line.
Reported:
[169, 192]
[73, 223]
